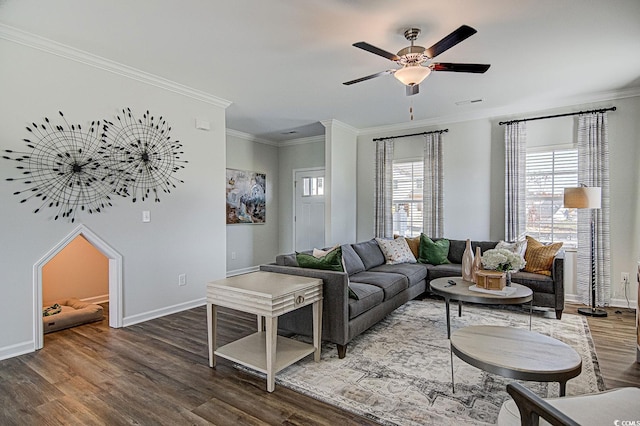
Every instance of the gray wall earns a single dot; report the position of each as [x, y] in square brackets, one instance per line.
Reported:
[186, 233]
[310, 153]
[474, 177]
[340, 200]
[468, 177]
[253, 244]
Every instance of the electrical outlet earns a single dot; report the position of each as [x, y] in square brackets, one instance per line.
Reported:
[182, 279]
[624, 278]
[233, 255]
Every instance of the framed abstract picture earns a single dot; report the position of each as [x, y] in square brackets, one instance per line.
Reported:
[246, 196]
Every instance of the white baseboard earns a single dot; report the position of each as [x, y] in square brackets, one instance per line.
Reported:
[617, 303]
[146, 316]
[242, 271]
[104, 298]
[16, 350]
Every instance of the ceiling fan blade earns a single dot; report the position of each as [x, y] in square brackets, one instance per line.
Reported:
[376, 51]
[449, 41]
[369, 77]
[413, 90]
[448, 66]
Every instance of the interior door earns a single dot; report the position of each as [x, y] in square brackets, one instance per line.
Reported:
[309, 209]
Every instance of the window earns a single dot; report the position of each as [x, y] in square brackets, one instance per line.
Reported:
[312, 186]
[548, 173]
[408, 177]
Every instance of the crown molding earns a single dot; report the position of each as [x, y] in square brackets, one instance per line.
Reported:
[503, 113]
[249, 137]
[337, 123]
[302, 141]
[253, 138]
[46, 45]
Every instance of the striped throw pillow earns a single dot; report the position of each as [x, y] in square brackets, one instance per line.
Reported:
[539, 256]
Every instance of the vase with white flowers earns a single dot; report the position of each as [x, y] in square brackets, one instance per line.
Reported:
[503, 260]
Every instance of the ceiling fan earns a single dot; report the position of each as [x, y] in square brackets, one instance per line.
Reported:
[416, 60]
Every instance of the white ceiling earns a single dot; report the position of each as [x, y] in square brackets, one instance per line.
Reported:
[282, 62]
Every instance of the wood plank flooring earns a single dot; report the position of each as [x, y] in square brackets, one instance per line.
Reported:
[157, 373]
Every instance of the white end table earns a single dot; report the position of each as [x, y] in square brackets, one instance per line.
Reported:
[267, 295]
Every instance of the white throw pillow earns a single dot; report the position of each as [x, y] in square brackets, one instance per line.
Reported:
[318, 253]
[519, 247]
[396, 251]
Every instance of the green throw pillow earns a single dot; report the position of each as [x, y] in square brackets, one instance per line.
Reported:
[332, 261]
[433, 252]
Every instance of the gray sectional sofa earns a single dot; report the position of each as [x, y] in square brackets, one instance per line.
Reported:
[381, 288]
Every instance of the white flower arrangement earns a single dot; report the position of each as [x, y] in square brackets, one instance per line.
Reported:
[502, 260]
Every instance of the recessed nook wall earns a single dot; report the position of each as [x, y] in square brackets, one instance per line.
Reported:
[79, 270]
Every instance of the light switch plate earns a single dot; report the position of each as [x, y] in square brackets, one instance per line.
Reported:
[146, 216]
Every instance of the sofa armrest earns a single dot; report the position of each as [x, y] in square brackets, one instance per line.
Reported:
[557, 273]
[335, 304]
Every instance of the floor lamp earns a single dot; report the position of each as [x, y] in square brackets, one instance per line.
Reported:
[584, 197]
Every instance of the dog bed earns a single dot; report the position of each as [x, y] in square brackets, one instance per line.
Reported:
[69, 313]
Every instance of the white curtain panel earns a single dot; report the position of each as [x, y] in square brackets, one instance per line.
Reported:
[515, 139]
[384, 189]
[593, 170]
[433, 188]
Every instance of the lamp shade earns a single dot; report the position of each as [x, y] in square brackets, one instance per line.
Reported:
[411, 75]
[583, 197]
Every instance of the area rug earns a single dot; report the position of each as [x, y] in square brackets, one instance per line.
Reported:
[399, 371]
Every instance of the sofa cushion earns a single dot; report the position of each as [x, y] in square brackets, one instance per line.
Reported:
[351, 261]
[286, 259]
[448, 270]
[433, 252]
[415, 273]
[456, 250]
[484, 246]
[537, 282]
[370, 253]
[457, 247]
[396, 251]
[390, 283]
[368, 297]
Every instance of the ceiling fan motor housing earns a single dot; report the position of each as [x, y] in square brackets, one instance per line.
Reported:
[412, 55]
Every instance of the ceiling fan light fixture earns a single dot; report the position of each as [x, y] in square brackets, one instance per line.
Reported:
[411, 75]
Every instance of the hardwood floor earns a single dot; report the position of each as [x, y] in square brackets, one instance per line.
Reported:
[157, 373]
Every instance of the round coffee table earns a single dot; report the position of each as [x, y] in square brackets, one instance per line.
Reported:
[461, 293]
[516, 353]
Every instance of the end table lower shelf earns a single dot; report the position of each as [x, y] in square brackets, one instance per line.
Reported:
[250, 352]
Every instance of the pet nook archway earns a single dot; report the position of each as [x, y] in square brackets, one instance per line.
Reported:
[115, 280]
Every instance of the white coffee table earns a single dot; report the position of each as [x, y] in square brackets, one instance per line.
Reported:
[268, 295]
[461, 293]
[516, 353]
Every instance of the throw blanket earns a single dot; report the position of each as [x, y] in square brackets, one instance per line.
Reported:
[51, 310]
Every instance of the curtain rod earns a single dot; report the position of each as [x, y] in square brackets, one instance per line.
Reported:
[413, 134]
[558, 115]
